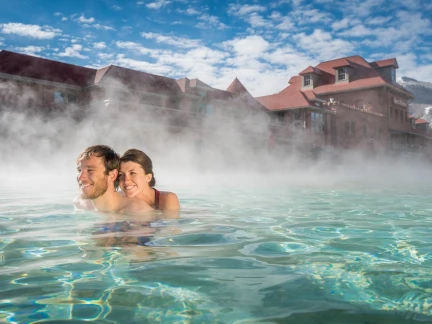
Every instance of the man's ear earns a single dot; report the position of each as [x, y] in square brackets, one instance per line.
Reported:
[113, 175]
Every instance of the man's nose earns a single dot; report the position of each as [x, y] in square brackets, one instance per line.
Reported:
[81, 176]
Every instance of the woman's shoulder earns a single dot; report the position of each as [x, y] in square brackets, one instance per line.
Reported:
[169, 200]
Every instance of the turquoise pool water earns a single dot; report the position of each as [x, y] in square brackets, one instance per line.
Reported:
[336, 254]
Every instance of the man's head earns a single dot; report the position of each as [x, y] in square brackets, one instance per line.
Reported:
[97, 171]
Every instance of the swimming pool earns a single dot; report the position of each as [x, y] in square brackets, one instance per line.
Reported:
[341, 253]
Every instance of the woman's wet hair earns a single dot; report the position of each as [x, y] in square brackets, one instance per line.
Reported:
[137, 156]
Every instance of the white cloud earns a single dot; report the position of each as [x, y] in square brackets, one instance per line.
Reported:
[210, 22]
[104, 27]
[105, 56]
[135, 47]
[99, 45]
[58, 14]
[115, 7]
[408, 66]
[191, 11]
[308, 15]
[64, 19]
[85, 20]
[357, 31]
[30, 50]
[145, 66]
[286, 24]
[139, 3]
[341, 24]
[362, 8]
[257, 21]
[378, 20]
[73, 51]
[324, 45]
[32, 31]
[157, 4]
[241, 10]
[250, 46]
[172, 40]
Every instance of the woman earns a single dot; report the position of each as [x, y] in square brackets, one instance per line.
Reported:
[136, 179]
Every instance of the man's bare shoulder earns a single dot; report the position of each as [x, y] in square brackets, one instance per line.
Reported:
[83, 204]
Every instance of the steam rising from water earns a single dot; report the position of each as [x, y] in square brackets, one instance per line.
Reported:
[42, 151]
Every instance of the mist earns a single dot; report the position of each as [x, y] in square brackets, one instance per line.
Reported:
[39, 150]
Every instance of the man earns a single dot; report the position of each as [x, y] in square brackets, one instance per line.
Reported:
[98, 167]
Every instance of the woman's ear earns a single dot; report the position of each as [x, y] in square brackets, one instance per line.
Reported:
[148, 177]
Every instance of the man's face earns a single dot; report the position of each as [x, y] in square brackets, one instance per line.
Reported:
[92, 180]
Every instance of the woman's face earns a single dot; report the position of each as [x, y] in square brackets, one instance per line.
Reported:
[133, 180]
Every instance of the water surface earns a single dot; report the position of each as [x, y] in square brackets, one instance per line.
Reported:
[305, 254]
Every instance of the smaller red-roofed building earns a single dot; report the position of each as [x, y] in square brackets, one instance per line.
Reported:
[347, 103]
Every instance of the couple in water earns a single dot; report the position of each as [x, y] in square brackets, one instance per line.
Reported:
[101, 171]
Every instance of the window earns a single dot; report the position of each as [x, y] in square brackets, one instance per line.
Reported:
[194, 107]
[393, 75]
[317, 122]
[401, 116]
[391, 111]
[58, 97]
[341, 74]
[297, 115]
[352, 127]
[364, 130]
[347, 127]
[396, 115]
[71, 98]
[307, 80]
[280, 117]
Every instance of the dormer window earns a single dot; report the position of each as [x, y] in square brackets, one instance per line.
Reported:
[307, 80]
[342, 74]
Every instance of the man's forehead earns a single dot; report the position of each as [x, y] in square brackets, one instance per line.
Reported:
[91, 160]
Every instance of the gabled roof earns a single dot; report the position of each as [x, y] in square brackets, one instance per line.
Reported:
[310, 69]
[362, 75]
[343, 62]
[39, 68]
[385, 63]
[240, 91]
[237, 87]
[199, 83]
[289, 98]
[138, 80]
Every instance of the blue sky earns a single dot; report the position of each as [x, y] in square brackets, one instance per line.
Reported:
[262, 43]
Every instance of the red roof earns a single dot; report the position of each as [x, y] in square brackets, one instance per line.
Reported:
[288, 98]
[362, 75]
[39, 68]
[384, 63]
[310, 69]
[421, 121]
[341, 63]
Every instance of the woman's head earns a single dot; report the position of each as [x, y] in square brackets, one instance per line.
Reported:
[136, 172]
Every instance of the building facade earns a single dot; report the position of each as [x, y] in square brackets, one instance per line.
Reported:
[368, 109]
[344, 103]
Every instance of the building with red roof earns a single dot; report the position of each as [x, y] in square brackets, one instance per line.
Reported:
[347, 103]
